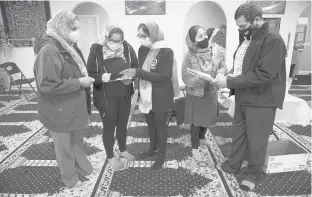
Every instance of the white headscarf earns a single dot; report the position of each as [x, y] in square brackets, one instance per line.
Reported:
[60, 22]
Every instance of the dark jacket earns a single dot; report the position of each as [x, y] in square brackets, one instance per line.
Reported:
[95, 67]
[160, 77]
[263, 79]
[61, 100]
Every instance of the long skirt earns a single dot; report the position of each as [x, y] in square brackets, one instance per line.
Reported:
[201, 111]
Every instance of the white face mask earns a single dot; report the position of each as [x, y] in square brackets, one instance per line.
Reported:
[74, 36]
[146, 42]
[113, 46]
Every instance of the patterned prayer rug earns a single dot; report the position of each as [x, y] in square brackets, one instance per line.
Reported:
[7, 101]
[28, 166]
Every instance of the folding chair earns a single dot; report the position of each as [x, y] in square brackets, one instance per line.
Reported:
[170, 115]
[178, 106]
[11, 68]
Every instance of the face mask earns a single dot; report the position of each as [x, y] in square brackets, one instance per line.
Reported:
[73, 36]
[146, 42]
[114, 46]
[203, 44]
[247, 32]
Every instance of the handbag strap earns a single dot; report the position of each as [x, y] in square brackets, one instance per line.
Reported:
[97, 66]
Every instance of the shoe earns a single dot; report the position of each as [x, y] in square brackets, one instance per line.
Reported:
[146, 154]
[159, 162]
[127, 156]
[78, 185]
[218, 166]
[196, 154]
[247, 186]
[203, 142]
[77, 190]
[115, 163]
[224, 168]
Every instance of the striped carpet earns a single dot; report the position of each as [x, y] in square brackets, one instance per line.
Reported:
[28, 166]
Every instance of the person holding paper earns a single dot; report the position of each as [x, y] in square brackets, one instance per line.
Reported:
[61, 79]
[112, 97]
[259, 83]
[156, 87]
[198, 70]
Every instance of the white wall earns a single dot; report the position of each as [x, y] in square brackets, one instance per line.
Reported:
[289, 23]
[305, 55]
[90, 8]
[173, 24]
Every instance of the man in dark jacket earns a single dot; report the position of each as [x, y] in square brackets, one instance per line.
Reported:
[259, 89]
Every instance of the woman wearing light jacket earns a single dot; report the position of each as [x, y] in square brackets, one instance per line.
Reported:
[112, 98]
[155, 72]
[201, 95]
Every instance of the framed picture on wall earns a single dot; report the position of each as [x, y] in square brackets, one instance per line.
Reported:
[274, 24]
[300, 36]
[150, 7]
[300, 29]
[271, 7]
[18, 18]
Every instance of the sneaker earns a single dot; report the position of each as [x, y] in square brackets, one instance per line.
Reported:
[115, 163]
[196, 154]
[77, 190]
[78, 185]
[203, 142]
[127, 156]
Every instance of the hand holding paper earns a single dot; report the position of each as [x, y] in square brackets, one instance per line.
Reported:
[199, 74]
[106, 77]
[220, 81]
[130, 72]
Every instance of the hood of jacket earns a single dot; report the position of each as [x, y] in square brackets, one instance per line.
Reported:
[40, 42]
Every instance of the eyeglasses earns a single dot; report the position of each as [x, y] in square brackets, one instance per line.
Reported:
[142, 36]
[115, 41]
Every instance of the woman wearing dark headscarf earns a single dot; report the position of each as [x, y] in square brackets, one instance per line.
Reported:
[61, 79]
[112, 98]
[201, 98]
[156, 68]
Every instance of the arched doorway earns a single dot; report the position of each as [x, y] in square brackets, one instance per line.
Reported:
[301, 56]
[207, 14]
[93, 19]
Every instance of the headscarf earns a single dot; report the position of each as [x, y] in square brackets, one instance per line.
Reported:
[60, 22]
[107, 52]
[217, 45]
[157, 38]
[200, 56]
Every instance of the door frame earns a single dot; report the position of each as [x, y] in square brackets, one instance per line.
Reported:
[96, 21]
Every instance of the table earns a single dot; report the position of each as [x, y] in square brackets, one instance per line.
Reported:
[295, 110]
